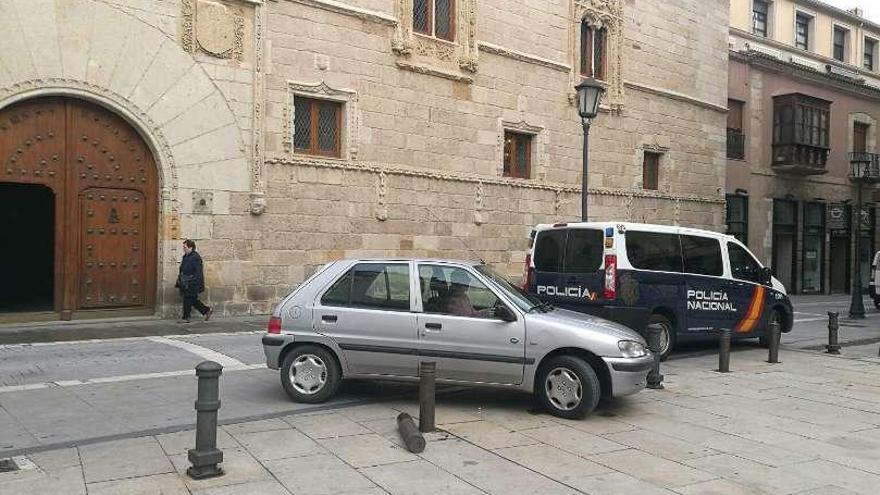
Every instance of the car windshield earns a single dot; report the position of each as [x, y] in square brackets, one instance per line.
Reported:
[523, 301]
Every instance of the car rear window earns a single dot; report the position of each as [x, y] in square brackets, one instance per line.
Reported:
[583, 251]
[653, 251]
[548, 250]
[372, 285]
[702, 255]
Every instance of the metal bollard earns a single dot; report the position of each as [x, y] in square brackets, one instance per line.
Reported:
[411, 435]
[775, 336]
[833, 347]
[206, 455]
[427, 373]
[724, 350]
[655, 378]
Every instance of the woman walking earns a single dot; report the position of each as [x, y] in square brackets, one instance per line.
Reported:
[191, 282]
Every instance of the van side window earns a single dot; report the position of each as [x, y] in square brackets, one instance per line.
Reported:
[548, 250]
[653, 251]
[372, 285]
[742, 265]
[583, 251]
[702, 255]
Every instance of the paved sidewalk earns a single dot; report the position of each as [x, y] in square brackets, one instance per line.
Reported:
[810, 425]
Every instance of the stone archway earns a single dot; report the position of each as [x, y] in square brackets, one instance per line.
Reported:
[105, 184]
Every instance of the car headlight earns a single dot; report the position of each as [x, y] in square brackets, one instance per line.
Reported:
[632, 349]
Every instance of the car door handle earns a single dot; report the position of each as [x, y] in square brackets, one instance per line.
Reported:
[433, 326]
[329, 318]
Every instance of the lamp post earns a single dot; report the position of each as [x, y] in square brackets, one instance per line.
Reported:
[863, 169]
[589, 93]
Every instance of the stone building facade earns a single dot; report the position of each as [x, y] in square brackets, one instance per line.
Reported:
[280, 134]
[798, 64]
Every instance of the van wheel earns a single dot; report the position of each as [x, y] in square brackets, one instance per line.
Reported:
[568, 387]
[310, 374]
[764, 339]
[667, 335]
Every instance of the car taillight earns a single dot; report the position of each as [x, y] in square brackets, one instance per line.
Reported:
[610, 291]
[274, 325]
[528, 274]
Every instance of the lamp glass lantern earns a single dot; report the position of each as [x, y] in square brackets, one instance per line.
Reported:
[589, 93]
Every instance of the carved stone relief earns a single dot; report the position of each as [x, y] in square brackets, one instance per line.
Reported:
[323, 91]
[455, 59]
[607, 14]
[213, 27]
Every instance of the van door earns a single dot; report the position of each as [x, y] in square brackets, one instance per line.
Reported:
[710, 304]
[655, 280]
[548, 253]
[582, 275]
[746, 292]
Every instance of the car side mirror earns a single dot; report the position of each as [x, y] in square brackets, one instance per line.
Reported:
[504, 313]
[766, 276]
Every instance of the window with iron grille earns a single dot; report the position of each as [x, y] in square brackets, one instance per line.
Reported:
[317, 126]
[802, 31]
[738, 217]
[593, 48]
[760, 13]
[736, 138]
[651, 171]
[870, 53]
[517, 154]
[840, 36]
[435, 18]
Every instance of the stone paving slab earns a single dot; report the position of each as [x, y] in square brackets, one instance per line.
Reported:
[782, 429]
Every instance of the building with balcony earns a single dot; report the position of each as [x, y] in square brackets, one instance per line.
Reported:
[804, 93]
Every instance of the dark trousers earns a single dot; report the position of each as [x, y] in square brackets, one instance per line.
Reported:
[190, 302]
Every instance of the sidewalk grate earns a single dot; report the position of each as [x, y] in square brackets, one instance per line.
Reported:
[7, 465]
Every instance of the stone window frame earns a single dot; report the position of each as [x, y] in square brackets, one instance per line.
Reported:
[666, 166]
[645, 170]
[769, 32]
[862, 118]
[848, 33]
[600, 14]
[456, 60]
[431, 12]
[348, 98]
[873, 53]
[587, 64]
[811, 28]
[538, 158]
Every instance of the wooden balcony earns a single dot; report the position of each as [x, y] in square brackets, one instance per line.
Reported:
[800, 159]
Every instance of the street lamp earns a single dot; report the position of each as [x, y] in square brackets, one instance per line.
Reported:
[863, 169]
[589, 93]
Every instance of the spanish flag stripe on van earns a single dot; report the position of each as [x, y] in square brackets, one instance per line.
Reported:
[753, 315]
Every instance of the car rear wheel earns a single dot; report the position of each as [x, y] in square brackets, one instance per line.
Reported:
[667, 334]
[310, 374]
[568, 387]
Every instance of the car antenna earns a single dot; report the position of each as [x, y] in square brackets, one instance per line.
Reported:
[473, 253]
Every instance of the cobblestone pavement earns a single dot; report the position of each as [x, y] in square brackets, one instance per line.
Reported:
[809, 425]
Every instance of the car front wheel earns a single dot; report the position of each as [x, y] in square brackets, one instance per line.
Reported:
[310, 374]
[568, 387]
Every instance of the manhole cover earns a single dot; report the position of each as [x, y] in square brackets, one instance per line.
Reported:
[7, 465]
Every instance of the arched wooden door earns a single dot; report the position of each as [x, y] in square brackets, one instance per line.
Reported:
[106, 200]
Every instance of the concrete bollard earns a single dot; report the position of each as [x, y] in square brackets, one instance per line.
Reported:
[775, 336]
[724, 350]
[427, 375]
[655, 378]
[411, 435]
[833, 346]
[206, 456]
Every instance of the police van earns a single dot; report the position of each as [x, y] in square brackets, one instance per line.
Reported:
[691, 282]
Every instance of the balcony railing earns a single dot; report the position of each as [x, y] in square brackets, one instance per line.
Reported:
[736, 144]
[868, 165]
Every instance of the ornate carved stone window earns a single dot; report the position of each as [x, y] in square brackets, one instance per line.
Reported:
[437, 37]
[518, 154]
[522, 150]
[596, 34]
[321, 121]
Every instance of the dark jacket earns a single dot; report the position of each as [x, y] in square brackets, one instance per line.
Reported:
[191, 279]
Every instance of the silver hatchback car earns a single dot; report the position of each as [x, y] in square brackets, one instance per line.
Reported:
[380, 318]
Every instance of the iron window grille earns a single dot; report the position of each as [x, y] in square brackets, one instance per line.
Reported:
[317, 126]
[434, 18]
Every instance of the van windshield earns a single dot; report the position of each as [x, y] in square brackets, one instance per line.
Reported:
[524, 302]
